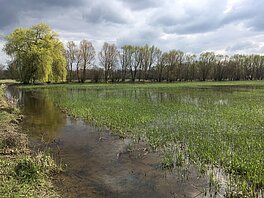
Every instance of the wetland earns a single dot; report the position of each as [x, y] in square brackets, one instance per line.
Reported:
[158, 140]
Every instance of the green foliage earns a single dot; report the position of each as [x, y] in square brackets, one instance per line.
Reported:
[37, 54]
[26, 170]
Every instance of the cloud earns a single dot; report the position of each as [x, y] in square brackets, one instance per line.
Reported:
[188, 17]
[141, 4]
[11, 13]
[139, 37]
[228, 26]
[104, 13]
[239, 46]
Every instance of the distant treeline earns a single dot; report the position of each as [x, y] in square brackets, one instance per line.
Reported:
[38, 56]
[149, 63]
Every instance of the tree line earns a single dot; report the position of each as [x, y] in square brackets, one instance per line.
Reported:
[39, 56]
[149, 63]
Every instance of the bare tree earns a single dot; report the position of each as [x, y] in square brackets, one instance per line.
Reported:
[207, 59]
[108, 58]
[191, 67]
[136, 62]
[87, 54]
[160, 66]
[125, 57]
[71, 54]
[171, 58]
[149, 58]
[78, 56]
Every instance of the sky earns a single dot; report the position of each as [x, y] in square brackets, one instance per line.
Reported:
[193, 26]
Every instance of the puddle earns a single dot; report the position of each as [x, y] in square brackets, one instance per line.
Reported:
[99, 163]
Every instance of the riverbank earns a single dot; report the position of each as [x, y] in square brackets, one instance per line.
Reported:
[23, 173]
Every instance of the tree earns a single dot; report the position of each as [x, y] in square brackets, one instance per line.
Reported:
[219, 67]
[149, 58]
[36, 53]
[71, 55]
[160, 66]
[236, 67]
[59, 71]
[78, 56]
[108, 58]
[136, 62]
[171, 58]
[125, 57]
[191, 67]
[258, 61]
[207, 60]
[87, 55]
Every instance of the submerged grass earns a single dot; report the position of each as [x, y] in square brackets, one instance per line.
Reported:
[212, 124]
[22, 174]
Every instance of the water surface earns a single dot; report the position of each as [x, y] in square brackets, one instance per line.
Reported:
[99, 163]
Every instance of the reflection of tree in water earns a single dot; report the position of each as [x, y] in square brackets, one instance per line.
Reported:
[43, 120]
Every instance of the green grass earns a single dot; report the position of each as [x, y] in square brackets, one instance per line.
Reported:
[27, 176]
[21, 174]
[211, 124]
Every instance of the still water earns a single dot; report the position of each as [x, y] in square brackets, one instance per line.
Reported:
[98, 163]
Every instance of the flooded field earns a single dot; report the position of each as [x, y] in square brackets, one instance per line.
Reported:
[215, 127]
[98, 163]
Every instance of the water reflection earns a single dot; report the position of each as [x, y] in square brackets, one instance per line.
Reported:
[42, 119]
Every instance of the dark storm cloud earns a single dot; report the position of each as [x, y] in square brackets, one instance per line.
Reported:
[6, 18]
[11, 11]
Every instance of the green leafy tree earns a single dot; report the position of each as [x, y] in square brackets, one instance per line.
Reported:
[37, 54]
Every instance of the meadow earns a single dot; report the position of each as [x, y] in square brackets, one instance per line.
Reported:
[214, 125]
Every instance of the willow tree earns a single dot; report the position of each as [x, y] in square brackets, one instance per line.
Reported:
[37, 54]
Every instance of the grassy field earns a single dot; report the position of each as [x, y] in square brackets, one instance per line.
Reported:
[211, 124]
[22, 173]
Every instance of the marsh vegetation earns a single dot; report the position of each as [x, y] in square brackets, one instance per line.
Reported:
[216, 126]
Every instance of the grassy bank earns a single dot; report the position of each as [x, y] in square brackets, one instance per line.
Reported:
[22, 173]
[215, 125]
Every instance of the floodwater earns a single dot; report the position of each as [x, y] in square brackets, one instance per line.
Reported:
[98, 163]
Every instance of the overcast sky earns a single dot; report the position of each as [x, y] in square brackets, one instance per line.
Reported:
[223, 26]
